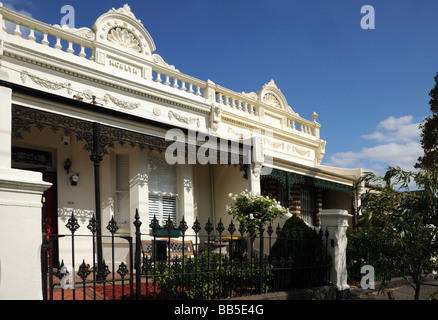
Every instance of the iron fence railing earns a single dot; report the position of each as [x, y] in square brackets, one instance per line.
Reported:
[204, 263]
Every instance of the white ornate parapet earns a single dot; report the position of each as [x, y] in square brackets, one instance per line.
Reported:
[114, 64]
[336, 222]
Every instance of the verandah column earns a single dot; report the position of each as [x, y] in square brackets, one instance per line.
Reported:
[336, 222]
[97, 157]
[20, 218]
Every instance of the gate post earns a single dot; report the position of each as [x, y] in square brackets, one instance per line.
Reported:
[336, 222]
[20, 218]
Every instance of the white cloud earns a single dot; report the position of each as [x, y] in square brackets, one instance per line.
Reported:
[15, 4]
[397, 144]
[396, 129]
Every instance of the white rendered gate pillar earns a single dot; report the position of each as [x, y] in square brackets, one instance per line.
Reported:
[336, 222]
[20, 218]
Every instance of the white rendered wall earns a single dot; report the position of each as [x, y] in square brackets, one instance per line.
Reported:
[20, 216]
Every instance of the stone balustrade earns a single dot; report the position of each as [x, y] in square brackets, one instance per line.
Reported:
[79, 42]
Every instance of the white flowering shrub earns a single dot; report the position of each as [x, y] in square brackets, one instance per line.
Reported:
[254, 209]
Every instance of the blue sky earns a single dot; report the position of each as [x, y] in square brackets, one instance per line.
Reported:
[369, 87]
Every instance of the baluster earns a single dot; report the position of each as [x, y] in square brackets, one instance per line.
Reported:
[58, 45]
[233, 103]
[17, 30]
[239, 105]
[4, 25]
[175, 83]
[70, 48]
[245, 107]
[82, 54]
[167, 81]
[31, 36]
[227, 101]
[45, 41]
[219, 98]
[191, 88]
[183, 86]
[158, 78]
[198, 92]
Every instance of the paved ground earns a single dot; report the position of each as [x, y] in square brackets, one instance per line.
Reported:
[399, 290]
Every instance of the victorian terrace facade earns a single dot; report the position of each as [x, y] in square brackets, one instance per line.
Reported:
[87, 117]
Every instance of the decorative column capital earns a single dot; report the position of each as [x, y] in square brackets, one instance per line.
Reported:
[334, 218]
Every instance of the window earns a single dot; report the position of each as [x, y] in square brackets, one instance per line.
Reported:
[307, 199]
[163, 190]
[121, 197]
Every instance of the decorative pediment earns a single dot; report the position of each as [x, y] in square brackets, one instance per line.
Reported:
[121, 29]
[124, 38]
[272, 96]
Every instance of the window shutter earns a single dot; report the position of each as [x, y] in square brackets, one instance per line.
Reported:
[162, 177]
[122, 208]
[122, 172]
[154, 207]
[169, 208]
[163, 189]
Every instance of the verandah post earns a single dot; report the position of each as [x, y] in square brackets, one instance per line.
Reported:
[97, 158]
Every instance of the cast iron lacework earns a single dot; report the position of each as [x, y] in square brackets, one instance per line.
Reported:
[24, 118]
[104, 136]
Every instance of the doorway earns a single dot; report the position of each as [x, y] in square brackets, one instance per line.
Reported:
[24, 158]
[50, 213]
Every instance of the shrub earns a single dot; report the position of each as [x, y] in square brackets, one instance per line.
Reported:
[210, 276]
[300, 253]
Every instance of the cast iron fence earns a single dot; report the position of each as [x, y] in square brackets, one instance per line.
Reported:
[209, 262]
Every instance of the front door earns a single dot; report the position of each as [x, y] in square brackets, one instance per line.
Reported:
[50, 213]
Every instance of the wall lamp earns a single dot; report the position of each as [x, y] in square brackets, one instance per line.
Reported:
[67, 165]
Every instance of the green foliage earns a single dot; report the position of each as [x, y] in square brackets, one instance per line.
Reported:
[211, 276]
[429, 134]
[399, 226]
[297, 241]
[302, 248]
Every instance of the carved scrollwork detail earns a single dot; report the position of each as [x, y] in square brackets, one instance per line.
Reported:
[157, 112]
[84, 32]
[121, 103]
[160, 61]
[251, 95]
[270, 99]
[184, 119]
[46, 83]
[124, 38]
[126, 10]
[301, 152]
